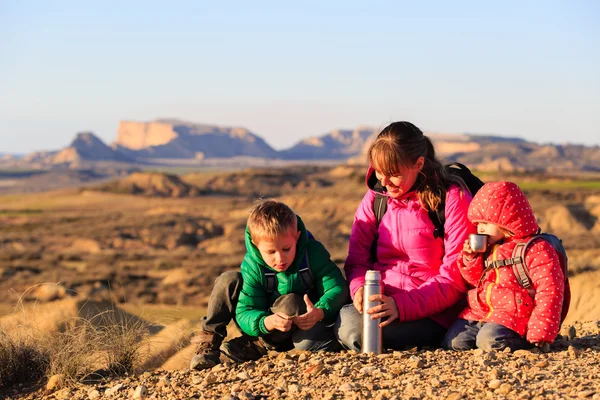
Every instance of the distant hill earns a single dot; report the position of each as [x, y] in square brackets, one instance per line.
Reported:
[85, 147]
[150, 184]
[174, 142]
[338, 144]
[497, 153]
[168, 138]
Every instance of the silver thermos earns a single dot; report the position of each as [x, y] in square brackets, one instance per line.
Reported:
[371, 336]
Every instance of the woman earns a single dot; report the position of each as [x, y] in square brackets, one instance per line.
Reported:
[421, 282]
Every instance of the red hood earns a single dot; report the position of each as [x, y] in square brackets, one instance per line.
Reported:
[505, 205]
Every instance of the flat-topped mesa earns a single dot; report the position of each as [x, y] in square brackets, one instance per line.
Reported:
[139, 135]
[171, 138]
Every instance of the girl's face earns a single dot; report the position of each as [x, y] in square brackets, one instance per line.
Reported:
[401, 182]
[492, 230]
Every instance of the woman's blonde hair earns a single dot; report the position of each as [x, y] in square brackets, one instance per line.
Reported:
[399, 146]
[270, 219]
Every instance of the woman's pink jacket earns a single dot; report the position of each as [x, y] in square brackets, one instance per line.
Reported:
[419, 271]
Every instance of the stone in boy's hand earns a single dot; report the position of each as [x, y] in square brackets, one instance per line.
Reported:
[278, 321]
[311, 317]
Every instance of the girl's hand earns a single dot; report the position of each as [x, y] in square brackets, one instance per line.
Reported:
[279, 321]
[312, 316]
[468, 251]
[358, 299]
[388, 309]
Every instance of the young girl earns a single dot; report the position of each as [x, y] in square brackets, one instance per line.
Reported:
[500, 312]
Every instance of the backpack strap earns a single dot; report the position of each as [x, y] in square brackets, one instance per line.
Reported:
[520, 267]
[438, 217]
[305, 274]
[379, 206]
[517, 261]
[270, 280]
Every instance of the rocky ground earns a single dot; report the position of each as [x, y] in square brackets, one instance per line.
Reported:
[568, 371]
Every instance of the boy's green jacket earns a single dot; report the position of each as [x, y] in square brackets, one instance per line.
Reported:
[329, 293]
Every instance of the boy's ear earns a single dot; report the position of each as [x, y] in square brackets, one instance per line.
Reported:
[297, 235]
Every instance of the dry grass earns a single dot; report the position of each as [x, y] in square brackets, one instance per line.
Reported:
[22, 359]
[105, 344]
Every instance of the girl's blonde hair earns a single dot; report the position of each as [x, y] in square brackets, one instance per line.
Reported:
[270, 219]
[399, 146]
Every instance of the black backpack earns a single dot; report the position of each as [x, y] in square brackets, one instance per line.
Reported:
[304, 272]
[438, 217]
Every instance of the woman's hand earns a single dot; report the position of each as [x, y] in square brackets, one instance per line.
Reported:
[278, 321]
[358, 299]
[387, 309]
[311, 317]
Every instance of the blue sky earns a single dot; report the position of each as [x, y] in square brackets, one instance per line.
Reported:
[287, 70]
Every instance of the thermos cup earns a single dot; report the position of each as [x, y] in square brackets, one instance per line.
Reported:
[371, 337]
[478, 242]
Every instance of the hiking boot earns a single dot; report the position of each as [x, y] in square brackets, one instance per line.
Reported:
[207, 353]
[243, 348]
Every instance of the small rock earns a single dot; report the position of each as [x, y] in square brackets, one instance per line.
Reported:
[64, 394]
[163, 381]
[478, 352]
[346, 387]
[210, 378]
[572, 333]
[585, 393]
[218, 368]
[55, 382]
[505, 388]
[140, 392]
[244, 376]
[196, 379]
[494, 384]
[522, 353]
[245, 396]
[294, 388]
[573, 353]
[93, 394]
[114, 389]
[454, 396]
[367, 370]
[542, 364]
[416, 362]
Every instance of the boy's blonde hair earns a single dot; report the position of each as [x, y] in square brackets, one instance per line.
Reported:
[270, 219]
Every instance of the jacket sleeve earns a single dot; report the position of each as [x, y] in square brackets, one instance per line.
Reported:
[328, 281]
[548, 281]
[253, 304]
[446, 288]
[471, 270]
[364, 229]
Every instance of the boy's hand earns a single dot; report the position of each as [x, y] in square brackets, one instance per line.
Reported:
[279, 321]
[388, 309]
[358, 299]
[312, 316]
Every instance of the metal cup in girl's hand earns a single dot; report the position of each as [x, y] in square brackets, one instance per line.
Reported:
[478, 242]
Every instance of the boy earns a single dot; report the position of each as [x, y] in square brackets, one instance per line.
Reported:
[500, 312]
[276, 305]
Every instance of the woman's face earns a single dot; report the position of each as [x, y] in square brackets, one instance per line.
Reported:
[400, 183]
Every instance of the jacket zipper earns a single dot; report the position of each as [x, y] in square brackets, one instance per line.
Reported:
[488, 295]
